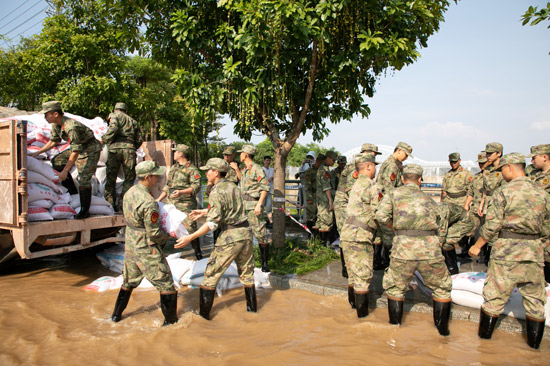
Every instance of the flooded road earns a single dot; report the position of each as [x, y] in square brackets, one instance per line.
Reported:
[47, 319]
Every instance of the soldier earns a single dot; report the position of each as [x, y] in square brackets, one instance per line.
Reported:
[84, 153]
[459, 224]
[225, 210]
[324, 196]
[310, 186]
[306, 164]
[234, 174]
[473, 199]
[145, 239]
[123, 138]
[540, 155]
[518, 220]
[337, 172]
[389, 177]
[182, 185]
[358, 231]
[419, 233]
[456, 182]
[254, 189]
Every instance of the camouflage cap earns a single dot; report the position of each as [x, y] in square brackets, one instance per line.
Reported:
[331, 154]
[121, 106]
[217, 164]
[454, 156]
[51, 106]
[405, 147]
[365, 158]
[182, 148]
[539, 149]
[493, 147]
[413, 169]
[370, 147]
[481, 158]
[342, 159]
[249, 149]
[149, 167]
[229, 150]
[512, 158]
[321, 156]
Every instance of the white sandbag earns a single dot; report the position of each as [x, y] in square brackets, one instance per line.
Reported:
[103, 156]
[105, 283]
[43, 168]
[467, 298]
[96, 201]
[36, 143]
[34, 177]
[197, 273]
[97, 125]
[99, 210]
[179, 267]
[42, 203]
[469, 281]
[261, 279]
[32, 149]
[38, 214]
[112, 257]
[62, 211]
[171, 220]
[37, 191]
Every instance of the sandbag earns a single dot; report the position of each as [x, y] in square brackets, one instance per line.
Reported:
[34, 177]
[43, 168]
[38, 214]
[42, 203]
[62, 211]
[99, 210]
[37, 191]
[171, 220]
[96, 201]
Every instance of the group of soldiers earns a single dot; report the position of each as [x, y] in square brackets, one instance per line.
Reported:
[505, 207]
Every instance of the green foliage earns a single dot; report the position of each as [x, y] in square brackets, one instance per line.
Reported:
[296, 156]
[534, 16]
[297, 257]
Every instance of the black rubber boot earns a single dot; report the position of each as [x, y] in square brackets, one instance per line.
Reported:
[377, 258]
[169, 307]
[324, 237]
[69, 184]
[386, 251]
[442, 314]
[451, 261]
[344, 268]
[351, 297]
[85, 201]
[465, 245]
[196, 244]
[362, 304]
[206, 300]
[487, 325]
[535, 331]
[120, 304]
[251, 302]
[395, 311]
[547, 271]
[264, 251]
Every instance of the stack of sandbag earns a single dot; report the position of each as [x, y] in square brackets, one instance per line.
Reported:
[98, 205]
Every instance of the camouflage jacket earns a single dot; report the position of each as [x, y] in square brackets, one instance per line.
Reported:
[141, 212]
[310, 179]
[519, 207]
[80, 137]
[226, 207]
[231, 176]
[456, 184]
[541, 179]
[323, 183]
[476, 190]
[253, 182]
[411, 209]
[347, 179]
[182, 177]
[123, 132]
[458, 221]
[360, 224]
[389, 175]
[335, 175]
[492, 179]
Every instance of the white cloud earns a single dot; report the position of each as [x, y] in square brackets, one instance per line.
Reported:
[452, 130]
[540, 126]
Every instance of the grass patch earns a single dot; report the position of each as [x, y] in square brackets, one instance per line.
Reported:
[297, 257]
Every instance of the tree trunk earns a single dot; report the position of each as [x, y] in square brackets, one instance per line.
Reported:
[279, 197]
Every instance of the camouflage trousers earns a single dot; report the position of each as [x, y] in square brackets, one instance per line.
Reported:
[147, 262]
[257, 225]
[86, 164]
[457, 231]
[504, 276]
[311, 211]
[186, 208]
[433, 271]
[324, 217]
[340, 216]
[116, 158]
[386, 235]
[241, 252]
[476, 222]
[358, 256]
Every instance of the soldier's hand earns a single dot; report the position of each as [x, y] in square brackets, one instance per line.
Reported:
[175, 194]
[257, 210]
[234, 165]
[34, 154]
[62, 176]
[183, 242]
[195, 214]
[331, 207]
[480, 211]
[474, 251]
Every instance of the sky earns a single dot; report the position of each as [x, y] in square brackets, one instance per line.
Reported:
[483, 77]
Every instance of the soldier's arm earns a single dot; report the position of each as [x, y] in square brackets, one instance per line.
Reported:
[384, 213]
[151, 221]
[443, 228]
[111, 131]
[495, 218]
[195, 182]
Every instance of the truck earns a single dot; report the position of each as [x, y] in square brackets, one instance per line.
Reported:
[18, 236]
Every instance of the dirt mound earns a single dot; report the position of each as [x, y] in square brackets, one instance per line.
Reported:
[10, 112]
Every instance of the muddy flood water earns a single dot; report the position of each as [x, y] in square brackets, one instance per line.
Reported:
[47, 319]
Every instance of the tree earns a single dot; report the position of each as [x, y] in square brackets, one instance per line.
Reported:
[535, 16]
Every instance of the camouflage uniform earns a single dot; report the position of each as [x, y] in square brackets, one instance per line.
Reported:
[492, 179]
[456, 183]
[253, 182]
[145, 240]
[82, 140]
[516, 219]
[310, 180]
[324, 216]
[541, 179]
[358, 231]
[476, 192]
[182, 177]
[347, 179]
[226, 211]
[123, 138]
[459, 224]
[417, 243]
